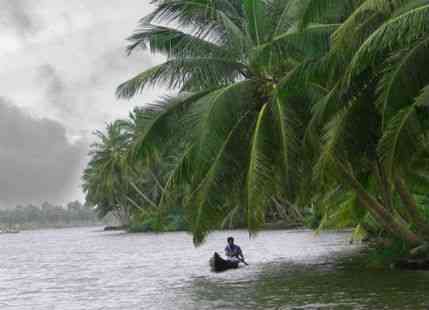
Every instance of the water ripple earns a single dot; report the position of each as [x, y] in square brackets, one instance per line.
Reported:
[88, 269]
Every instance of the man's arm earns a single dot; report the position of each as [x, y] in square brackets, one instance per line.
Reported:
[240, 253]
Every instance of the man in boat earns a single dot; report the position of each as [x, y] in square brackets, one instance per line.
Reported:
[233, 251]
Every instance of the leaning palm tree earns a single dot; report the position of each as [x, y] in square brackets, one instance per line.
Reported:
[148, 167]
[240, 112]
[371, 129]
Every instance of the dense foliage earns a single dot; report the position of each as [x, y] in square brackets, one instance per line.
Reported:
[314, 108]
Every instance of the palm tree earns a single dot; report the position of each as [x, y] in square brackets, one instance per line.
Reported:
[240, 109]
[105, 179]
[371, 129]
[148, 167]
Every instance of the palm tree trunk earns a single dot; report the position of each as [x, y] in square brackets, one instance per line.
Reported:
[157, 181]
[123, 212]
[411, 207]
[385, 218]
[385, 186]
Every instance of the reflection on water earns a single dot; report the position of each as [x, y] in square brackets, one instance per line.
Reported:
[90, 269]
[318, 286]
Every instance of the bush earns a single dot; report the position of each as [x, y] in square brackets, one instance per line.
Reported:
[385, 252]
[156, 221]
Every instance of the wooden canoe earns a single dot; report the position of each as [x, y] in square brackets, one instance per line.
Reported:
[218, 264]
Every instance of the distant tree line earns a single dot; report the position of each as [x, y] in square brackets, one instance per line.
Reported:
[48, 215]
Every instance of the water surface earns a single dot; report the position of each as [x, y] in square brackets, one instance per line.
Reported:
[88, 269]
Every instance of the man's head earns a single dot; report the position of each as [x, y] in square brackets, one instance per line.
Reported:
[230, 240]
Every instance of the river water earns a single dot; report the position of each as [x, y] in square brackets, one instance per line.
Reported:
[88, 269]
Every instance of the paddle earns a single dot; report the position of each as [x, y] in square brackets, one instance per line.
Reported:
[243, 261]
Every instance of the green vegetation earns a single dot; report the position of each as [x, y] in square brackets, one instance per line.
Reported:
[153, 221]
[47, 215]
[385, 253]
[317, 109]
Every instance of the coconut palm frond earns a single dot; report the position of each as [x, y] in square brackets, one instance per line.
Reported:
[409, 5]
[158, 123]
[287, 15]
[318, 10]
[179, 176]
[260, 172]
[207, 203]
[423, 99]
[402, 80]
[173, 43]
[290, 116]
[174, 73]
[333, 139]
[400, 140]
[212, 117]
[310, 42]
[398, 32]
[257, 19]
[218, 138]
[369, 15]
[199, 15]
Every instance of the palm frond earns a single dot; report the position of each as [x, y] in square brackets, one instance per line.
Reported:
[256, 18]
[397, 33]
[213, 117]
[159, 123]
[400, 140]
[333, 139]
[218, 140]
[233, 34]
[198, 15]
[318, 10]
[356, 25]
[311, 42]
[287, 133]
[173, 43]
[260, 172]
[340, 212]
[402, 80]
[322, 111]
[211, 72]
[208, 199]
[288, 15]
[423, 99]
[179, 176]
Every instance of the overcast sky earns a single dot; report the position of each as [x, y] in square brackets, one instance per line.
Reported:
[60, 62]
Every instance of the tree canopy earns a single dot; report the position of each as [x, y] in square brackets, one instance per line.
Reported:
[310, 106]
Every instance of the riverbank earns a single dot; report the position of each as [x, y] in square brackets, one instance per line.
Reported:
[394, 254]
[142, 228]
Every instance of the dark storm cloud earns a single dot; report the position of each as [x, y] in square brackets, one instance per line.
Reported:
[36, 159]
[17, 15]
[62, 60]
